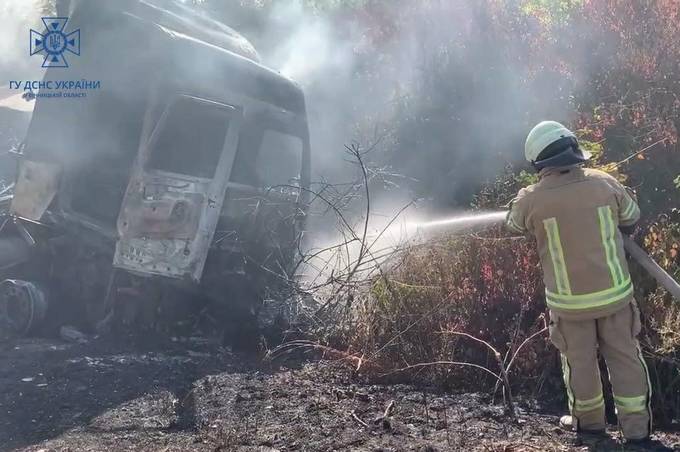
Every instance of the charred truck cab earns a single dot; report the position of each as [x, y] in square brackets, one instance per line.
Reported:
[188, 166]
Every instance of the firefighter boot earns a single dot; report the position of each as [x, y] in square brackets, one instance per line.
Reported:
[570, 424]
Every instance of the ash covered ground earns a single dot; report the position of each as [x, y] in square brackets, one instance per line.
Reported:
[194, 395]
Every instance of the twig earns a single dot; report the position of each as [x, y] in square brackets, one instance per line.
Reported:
[291, 346]
[443, 363]
[437, 307]
[356, 152]
[502, 376]
[476, 339]
[508, 367]
[388, 409]
[635, 154]
[526, 341]
[356, 418]
[384, 419]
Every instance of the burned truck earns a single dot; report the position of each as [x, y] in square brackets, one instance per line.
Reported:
[180, 179]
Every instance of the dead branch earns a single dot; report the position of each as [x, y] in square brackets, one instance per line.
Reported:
[503, 370]
[303, 345]
[442, 363]
[354, 416]
[476, 339]
[355, 151]
[526, 341]
[635, 154]
[388, 409]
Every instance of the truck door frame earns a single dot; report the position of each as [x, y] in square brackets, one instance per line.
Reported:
[193, 264]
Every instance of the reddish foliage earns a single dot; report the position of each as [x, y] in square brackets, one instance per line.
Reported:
[485, 285]
[631, 97]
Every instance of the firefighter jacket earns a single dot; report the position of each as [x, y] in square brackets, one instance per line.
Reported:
[574, 213]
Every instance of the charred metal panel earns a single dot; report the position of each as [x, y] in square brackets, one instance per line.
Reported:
[173, 202]
[36, 186]
[163, 257]
[162, 208]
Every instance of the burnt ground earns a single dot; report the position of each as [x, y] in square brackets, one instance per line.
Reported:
[196, 396]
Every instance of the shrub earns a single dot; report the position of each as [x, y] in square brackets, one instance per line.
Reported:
[489, 285]
[486, 284]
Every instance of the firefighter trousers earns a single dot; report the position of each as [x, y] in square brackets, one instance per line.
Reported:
[615, 336]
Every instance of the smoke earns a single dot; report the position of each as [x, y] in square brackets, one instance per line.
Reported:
[439, 91]
[442, 93]
[17, 17]
[310, 51]
[447, 93]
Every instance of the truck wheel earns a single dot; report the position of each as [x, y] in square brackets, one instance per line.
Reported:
[23, 306]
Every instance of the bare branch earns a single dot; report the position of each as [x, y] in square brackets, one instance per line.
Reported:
[526, 341]
[476, 339]
[443, 363]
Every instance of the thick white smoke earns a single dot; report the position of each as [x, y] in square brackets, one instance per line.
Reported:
[17, 17]
[309, 50]
[451, 101]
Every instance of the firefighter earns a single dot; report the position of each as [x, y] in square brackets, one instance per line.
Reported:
[577, 216]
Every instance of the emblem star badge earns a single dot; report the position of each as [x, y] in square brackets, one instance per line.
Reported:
[54, 42]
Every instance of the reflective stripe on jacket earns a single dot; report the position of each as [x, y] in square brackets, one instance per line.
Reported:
[574, 213]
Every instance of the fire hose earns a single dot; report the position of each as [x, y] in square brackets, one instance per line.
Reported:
[655, 271]
[659, 274]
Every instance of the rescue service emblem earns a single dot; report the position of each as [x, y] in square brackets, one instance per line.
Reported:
[54, 42]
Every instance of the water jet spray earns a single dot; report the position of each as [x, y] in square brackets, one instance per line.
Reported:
[659, 274]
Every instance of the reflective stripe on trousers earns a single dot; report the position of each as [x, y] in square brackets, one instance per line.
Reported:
[614, 336]
[589, 405]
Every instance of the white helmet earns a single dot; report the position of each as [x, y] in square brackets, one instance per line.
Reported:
[553, 138]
